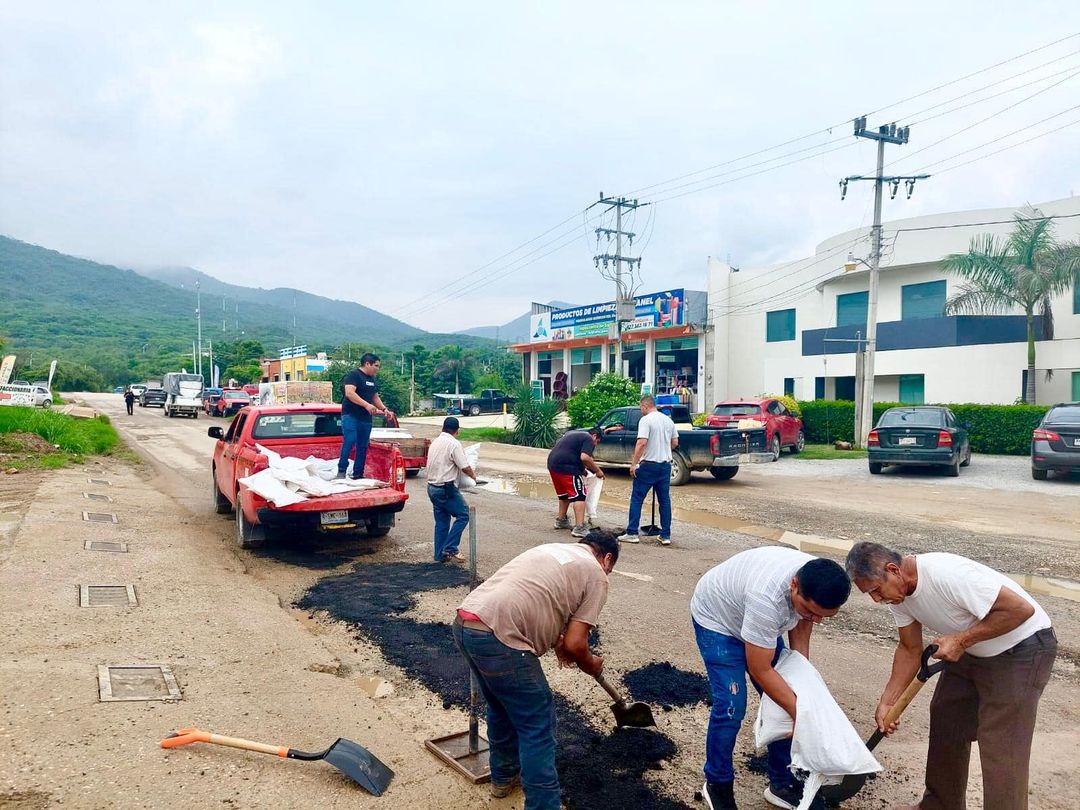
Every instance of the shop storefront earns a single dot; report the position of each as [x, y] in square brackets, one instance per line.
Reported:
[661, 349]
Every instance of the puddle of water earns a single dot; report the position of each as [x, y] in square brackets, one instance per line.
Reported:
[810, 543]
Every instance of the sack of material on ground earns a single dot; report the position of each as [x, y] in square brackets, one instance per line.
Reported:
[825, 744]
[472, 455]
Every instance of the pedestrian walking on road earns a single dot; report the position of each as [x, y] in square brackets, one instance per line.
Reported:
[446, 458]
[740, 611]
[547, 597]
[361, 401]
[129, 400]
[1001, 647]
[650, 468]
[566, 464]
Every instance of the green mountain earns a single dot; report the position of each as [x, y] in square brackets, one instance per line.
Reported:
[124, 324]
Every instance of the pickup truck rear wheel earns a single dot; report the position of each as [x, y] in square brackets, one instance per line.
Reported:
[680, 469]
[221, 503]
[474, 410]
[723, 473]
[248, 535]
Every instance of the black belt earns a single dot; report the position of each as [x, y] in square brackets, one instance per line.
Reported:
[1042, 638]
[654, 462]
[446, 484]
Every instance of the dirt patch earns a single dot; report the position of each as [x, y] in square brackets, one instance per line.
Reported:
[21, 442]
[25, 800]
[597, 769]
[314, 552]
[662, 684]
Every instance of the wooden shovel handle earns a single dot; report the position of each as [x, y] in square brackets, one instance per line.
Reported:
[902, 702]
[600, 679]
[186, 736]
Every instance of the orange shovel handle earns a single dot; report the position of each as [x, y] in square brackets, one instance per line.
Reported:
[185, 736]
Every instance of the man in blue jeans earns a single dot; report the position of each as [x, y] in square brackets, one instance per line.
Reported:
[446, 459]
[547, 597]
[360, 402]
[650, 467]
[741, 609]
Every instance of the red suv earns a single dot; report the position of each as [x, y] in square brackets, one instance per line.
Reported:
[784, 428]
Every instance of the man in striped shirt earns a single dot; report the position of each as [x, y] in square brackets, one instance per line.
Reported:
[741, 609]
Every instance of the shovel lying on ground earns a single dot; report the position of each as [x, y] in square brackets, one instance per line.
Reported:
[351, 759]
[853, 783]
[637, 715]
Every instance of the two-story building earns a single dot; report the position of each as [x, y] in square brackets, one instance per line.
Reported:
[795, 327]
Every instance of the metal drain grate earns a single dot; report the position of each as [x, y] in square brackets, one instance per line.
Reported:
[137, 682]
[99, 517]
[107, 596]
[105, 545]
[103, 481]
[94, 496]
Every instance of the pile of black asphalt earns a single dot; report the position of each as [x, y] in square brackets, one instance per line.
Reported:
[598, 768]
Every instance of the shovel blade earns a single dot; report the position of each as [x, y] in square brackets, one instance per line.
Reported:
[360, 765]
[636, 715]
[848, 787]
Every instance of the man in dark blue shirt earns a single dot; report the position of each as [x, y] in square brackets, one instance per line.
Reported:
[566, 463]
[360, 403]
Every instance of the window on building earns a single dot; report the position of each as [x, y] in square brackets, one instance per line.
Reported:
[819, 388]
[851, 309]
[912, 388]
[789, 386]
[845, 389]
[1076, 386]
[780, 325]
[1076, 294]
[922, 300]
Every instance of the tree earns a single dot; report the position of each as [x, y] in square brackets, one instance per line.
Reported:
[1024, 271]
[604, 392]
[452, 362]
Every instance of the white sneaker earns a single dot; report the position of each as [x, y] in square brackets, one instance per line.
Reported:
[664, 541]
[563, 523]
[629, 538]
[580, 531]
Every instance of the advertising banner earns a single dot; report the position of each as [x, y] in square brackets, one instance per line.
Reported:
[657, 310]
[7, 365]
[52, 373]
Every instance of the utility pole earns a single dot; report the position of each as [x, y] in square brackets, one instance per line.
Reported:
[610, 266]
[198, 322]
[412, 387]
[886, 133]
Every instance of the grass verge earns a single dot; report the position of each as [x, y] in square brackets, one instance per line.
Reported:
[485, 434]
[821, 452]
[71, 438]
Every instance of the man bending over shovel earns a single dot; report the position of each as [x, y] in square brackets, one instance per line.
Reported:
[741, 609]
[549, 596]
[1001, 648]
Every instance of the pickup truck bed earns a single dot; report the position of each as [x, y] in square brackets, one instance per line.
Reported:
[300, 431]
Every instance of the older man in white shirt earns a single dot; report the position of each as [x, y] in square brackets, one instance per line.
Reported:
[446, 458]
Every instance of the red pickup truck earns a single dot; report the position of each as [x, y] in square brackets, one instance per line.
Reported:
[300, 431]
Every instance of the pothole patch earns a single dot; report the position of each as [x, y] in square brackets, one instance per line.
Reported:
[105, 545]
[96, 496]
[137, 682]
[107, 596]
[100, 517]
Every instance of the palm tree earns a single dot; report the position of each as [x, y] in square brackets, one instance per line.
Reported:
[452, 360]
[1024, 271]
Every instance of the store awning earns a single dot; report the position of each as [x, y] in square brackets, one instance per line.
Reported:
[628, 337]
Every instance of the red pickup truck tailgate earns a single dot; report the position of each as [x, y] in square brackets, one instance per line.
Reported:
[362, 499]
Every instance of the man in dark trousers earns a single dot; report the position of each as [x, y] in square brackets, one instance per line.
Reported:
[129, 400]
[446, 460]
[1001, 646]
[566, 464]
[547, 597]
[360, 402]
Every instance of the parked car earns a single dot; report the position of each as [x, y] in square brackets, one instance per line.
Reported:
[231, 402]
[153, 397]
[1055, 444]
[490, 400]
[414, 450]
[137, 389]
[720, 450]
[210, 398]
[679, 414]
[118, 389]
[783, 427]
[42, 397]
[927, 435]
[300, 431]
[251, 389]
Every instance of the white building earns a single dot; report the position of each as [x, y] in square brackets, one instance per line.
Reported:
[794, 327]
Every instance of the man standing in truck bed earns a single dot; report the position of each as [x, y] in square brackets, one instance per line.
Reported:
[360, 402]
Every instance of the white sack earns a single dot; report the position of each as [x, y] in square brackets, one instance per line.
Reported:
[594, 486]
[825, 742]
[472, 456]
[288, 480]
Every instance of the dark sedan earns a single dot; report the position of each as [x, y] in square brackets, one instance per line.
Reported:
[1055, 444]
[153, 396]
[926, 435]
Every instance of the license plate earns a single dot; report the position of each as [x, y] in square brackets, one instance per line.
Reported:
[907, 440]
[334, 518]
[1076, 442]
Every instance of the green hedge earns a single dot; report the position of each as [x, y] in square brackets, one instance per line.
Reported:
[73, 435]
[995, 429]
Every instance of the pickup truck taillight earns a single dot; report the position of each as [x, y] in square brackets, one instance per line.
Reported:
[714, 444]
[399, 471]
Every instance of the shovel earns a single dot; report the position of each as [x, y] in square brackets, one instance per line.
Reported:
[637, 715]
[652, 530]
[353, 760]
[853, 783]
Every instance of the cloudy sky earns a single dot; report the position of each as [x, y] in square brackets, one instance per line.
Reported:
[419, 157]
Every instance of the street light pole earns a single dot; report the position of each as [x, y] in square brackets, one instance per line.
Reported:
[198, 324]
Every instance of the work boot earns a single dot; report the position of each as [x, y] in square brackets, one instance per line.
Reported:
[499, 791]
[629, 538]
[339, 476]
[563, 523]
[580, 531]
[454, 557]
[719, 795]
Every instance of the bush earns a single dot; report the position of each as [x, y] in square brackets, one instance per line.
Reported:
[534, 421]
[73, 435]
[698, 419]
[604, 392]
[489, 380]
[789, 402]
[995, 429]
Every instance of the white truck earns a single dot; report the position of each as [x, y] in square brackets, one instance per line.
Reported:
[183, 394]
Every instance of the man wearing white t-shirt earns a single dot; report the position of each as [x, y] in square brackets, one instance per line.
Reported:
[1001, 648]
[650, 467]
